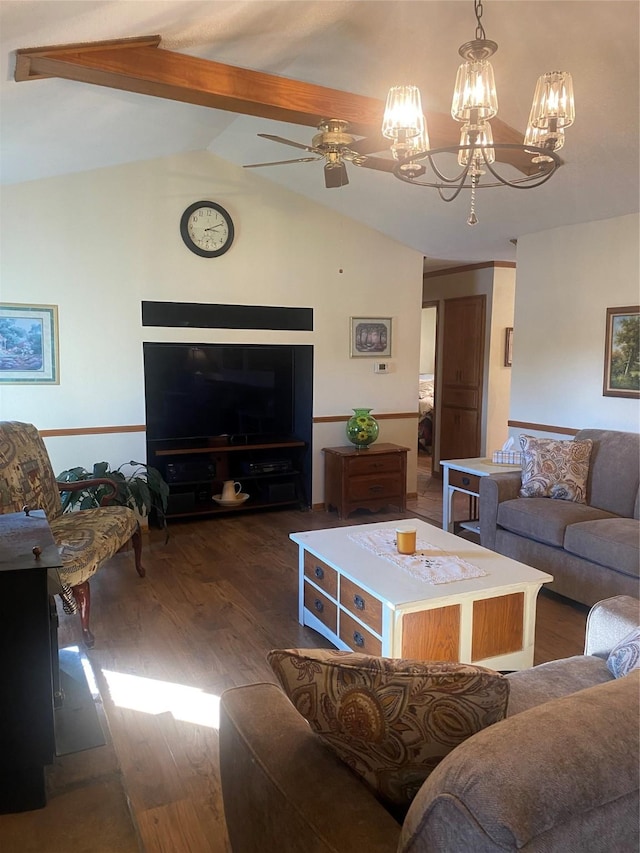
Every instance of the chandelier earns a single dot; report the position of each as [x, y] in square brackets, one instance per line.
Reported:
[474, 104]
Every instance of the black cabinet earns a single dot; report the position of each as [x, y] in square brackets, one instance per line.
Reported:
[272, 474]
[29, 652]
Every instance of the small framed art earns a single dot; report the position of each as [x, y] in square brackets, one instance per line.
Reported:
[622, 353]
[28, 344]
[370, 337]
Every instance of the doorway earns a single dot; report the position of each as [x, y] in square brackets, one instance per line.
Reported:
[426, 382]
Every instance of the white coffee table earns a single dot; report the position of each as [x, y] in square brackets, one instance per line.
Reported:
[362, 602]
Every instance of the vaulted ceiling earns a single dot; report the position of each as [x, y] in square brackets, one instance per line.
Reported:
[54, 126]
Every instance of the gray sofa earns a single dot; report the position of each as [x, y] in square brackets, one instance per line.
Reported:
[593, 549]
[560, 773]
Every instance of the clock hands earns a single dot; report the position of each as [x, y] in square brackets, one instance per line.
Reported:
[213, 226]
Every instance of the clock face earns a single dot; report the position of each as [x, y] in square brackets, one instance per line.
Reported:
[207, 229]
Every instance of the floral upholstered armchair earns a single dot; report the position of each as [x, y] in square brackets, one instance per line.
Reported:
[86, 539]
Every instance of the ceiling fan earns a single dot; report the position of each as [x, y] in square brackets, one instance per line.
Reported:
[335, 145]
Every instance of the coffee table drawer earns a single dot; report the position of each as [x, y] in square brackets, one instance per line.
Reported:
[364, 605]
[321, 574]
[464, 480]
[322, 607]
[357, 637]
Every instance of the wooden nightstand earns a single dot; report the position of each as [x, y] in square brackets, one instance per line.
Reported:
[365, 479]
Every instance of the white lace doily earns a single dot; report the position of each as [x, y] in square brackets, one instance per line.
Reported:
[429, 563]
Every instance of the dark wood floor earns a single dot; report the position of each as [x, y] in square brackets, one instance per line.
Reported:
[217, 597]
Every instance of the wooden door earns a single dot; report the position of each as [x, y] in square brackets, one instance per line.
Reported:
[462, 370]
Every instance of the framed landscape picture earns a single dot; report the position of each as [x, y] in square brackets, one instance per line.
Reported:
[370, 337]
[28, 344]
[622, 352]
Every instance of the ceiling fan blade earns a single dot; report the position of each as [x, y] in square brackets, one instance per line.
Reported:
[371, 144]
[285, 141]
[335, 175]
[281, 162]
[381, 164]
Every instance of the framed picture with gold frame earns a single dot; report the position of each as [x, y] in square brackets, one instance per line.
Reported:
[622, 353]
[28, 344]
[370, 337]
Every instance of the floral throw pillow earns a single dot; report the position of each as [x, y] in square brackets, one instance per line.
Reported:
[555, 469]
[392, 721]
[625, 656]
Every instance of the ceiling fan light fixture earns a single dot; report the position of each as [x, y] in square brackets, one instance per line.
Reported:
[474, 104]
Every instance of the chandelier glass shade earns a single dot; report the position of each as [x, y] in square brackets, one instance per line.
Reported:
[474, 104]
[475, 99]
[403, 118]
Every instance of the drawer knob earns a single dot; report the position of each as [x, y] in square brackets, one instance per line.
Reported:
[319, 606]
[465, 481]
[358, 600]
[319, 572]
[377, 488]
[358, 639]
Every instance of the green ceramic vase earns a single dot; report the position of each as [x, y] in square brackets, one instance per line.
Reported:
[362, 428]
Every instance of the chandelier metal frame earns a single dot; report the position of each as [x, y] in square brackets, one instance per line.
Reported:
[474, 104]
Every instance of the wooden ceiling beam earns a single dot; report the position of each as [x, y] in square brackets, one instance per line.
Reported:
[139, 65]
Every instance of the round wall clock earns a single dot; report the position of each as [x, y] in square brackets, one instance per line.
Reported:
[207, 229]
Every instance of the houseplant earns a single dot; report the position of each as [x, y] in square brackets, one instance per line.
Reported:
[142, 488]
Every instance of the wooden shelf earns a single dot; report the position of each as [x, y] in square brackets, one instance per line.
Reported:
[196, 474]
[228, 448]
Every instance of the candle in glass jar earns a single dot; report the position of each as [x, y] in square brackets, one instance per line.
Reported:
[406, 540]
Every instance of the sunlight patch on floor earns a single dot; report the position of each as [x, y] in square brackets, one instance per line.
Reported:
[152, 696]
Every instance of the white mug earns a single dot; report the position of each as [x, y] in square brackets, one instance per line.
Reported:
[230, 490]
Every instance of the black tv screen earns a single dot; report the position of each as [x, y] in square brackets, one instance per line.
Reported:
[242, 391]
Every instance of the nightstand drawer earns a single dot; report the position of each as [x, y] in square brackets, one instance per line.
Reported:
[322, 608]
[357, 637]
[374, 464]
[372, 488]
[321, 574]
[463, 480]
[362, 604]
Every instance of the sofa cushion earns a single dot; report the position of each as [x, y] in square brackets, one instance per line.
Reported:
[617, 452]
[555, 469]
[531, 687]
[543, 519]
[611, 542]
[392, 721]
[625, 656]
[562, 776]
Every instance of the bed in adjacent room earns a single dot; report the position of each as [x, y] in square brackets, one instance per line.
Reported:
[425, 410]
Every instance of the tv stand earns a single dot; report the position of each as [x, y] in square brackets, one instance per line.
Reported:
[271, 473]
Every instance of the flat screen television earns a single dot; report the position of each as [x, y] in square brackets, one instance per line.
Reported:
[243, 392]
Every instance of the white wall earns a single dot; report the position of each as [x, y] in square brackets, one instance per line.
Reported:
[99, 243]
[566, 280]
[499, 387]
